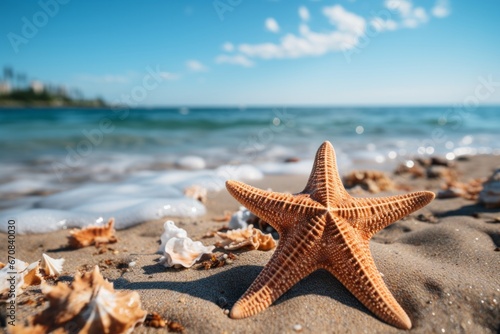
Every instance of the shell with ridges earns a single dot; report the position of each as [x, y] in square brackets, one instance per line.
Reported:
[247, 237]
[89, 305]
[51, 266]
[92, 235]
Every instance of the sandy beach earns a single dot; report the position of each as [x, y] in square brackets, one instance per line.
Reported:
[441, 263]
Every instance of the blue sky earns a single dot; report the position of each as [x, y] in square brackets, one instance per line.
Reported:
[242, 52]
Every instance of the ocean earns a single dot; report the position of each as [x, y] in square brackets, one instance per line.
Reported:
[64, 151]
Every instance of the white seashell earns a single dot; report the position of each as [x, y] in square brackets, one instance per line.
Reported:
[171, 231]
[178, 250]
[183, 252]
[17, 280]
[50, 266]
[239, 218]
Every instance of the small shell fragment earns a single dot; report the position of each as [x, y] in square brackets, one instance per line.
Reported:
[370, 180]
[32, 275]
[247, 237]
[197, 192]
[92, 235]
[51, 267]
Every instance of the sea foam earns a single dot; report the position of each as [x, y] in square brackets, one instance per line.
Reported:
[141, 197]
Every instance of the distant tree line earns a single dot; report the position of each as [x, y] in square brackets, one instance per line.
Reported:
[15, 89]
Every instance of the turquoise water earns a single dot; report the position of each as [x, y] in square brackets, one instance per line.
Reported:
[225, 135]
[63, 168]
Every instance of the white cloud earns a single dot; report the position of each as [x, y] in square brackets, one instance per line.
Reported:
[196, 66]
[309, 43]
[304, 13]
[441, 8]
[383, 25]
[234, 60]
[272, 25]
[169, 76]
[347, 34]
[228, 47]
[344, 20]
[410, 17]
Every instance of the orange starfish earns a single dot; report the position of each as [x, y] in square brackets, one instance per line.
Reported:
[323, 227]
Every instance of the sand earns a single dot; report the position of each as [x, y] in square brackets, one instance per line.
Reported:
[441, 263]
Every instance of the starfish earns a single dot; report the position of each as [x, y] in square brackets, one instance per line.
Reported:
[323, 227]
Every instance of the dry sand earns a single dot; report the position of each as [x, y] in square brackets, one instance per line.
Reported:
[444, 272]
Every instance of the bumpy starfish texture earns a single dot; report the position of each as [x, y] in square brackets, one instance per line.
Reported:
[323, 227]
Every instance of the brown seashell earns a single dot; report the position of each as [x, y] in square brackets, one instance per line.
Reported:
[197, 192]
[89, 305]
[2, 265]
[469, 190]
[370, 180]
[247, 237]
[33, 276]
[92, 235]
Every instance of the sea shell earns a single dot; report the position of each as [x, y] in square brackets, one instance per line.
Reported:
[171, 231]
[50, 266]
[32, 275]
[89, 305]
[8, 280]
[247, 237]
[178, 250]
[92, 235]
[490, 195]
[197, 192]
[370, 180]
[183, 252]
[239, 218]
[469, 190]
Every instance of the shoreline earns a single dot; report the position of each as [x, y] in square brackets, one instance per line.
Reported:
[443, 271]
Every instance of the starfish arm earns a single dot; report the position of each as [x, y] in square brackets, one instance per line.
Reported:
[325, 185]
[354, 267]
[294, 259]
[277, 209]
[370, 215]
